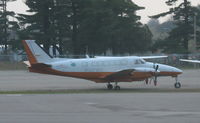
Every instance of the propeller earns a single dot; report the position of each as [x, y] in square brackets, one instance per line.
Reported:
[147, 81]
[155, 73]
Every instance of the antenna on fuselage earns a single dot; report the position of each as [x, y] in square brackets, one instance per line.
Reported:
[86, 53]
[87, 56]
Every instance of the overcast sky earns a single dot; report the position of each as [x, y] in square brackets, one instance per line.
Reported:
[152, 7]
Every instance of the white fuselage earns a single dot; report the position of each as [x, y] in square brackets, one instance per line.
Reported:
[110, 64]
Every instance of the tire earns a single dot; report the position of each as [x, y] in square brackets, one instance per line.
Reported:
[117, 87]
[110, 86]
[177, 85]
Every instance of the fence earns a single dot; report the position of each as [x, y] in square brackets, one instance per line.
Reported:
[12, 62]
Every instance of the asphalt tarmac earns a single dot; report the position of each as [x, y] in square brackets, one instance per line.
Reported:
[101, 108]
[109, 107]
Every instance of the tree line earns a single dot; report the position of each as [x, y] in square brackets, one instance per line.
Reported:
[184, 15]
[94, 26]
[77, 26]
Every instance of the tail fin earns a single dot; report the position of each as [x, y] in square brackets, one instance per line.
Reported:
[35, 53]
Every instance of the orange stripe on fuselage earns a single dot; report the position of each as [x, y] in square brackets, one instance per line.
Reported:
[173, 74]
[83, 75]
[93, 76]
[30, 55]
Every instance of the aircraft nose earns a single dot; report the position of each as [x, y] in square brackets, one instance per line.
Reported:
[169, 70]
[179, 71]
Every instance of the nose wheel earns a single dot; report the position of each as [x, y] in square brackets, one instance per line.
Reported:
[177, 84]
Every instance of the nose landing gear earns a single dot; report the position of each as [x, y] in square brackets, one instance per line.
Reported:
[177, 84]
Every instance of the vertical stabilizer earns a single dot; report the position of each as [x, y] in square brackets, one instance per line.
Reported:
[35, 53]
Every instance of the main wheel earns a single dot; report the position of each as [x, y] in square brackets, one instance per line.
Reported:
[117, 87]
[110, 86]
[177, 85]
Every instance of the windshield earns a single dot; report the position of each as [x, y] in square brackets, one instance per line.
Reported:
[140, 61]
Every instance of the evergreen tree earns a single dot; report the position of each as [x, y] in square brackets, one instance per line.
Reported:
[183, 15]
[112, 24]
[48, 22]
[98, 25]
[197, 10]
[37, 24]
[5, 24]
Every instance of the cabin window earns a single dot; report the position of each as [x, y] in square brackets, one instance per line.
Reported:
[107, 63]
[116, 62]
[93, 63]
[85, 64]
[124, 62]
[139, 61]
[101, 63]
[98, 63]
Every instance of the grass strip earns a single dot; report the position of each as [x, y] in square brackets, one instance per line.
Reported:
[100, 91]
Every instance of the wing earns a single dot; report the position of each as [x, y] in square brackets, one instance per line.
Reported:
[128, 74]
[142, 57]
[192, 61]
[107, 56]
[152, 57]
[119, 75]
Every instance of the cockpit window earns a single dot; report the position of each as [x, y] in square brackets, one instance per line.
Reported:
[140, 61]
[137, 62]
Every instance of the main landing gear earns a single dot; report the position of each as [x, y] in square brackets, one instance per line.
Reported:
[147, 81]
[110, 86]
[177, 84]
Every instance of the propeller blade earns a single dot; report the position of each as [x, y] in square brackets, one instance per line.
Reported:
[155, 81]
[157, 66]
[155, 73]
[147, 81]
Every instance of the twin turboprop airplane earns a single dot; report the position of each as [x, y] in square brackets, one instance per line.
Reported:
[101, 69]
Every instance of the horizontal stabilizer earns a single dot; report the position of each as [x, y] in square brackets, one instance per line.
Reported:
[37, 65]
[40, 65]
[27, 63]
